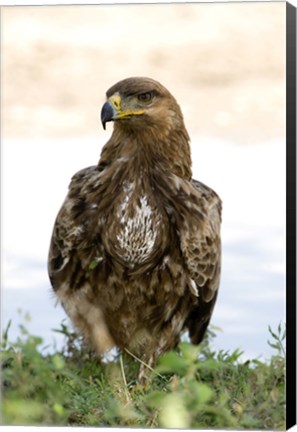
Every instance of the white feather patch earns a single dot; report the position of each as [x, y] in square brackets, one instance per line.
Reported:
[193, 288]
[138, 234]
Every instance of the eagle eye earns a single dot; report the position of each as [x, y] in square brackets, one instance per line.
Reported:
[145, 97]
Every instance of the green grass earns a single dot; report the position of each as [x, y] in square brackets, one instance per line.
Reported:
[192, 387]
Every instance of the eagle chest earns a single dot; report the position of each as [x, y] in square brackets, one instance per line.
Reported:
[136, 226]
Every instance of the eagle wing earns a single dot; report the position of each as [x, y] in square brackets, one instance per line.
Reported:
[201, 248]
[72, 252]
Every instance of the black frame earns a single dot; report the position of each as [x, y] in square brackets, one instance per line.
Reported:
[291, 213]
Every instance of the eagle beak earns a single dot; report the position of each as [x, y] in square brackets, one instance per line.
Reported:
[111, 109]
[108, 113]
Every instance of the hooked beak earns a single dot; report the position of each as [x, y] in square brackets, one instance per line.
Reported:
[108, 113]
[113, 110]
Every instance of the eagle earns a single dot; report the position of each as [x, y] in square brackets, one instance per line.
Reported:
[135, 253]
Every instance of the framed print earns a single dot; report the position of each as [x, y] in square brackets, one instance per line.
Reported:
[149, 215]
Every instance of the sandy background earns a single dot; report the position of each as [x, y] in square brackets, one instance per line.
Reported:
[225, 64]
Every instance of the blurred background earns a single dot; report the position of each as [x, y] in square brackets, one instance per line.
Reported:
[225, 65]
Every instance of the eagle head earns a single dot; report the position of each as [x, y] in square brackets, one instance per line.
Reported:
[141, 102]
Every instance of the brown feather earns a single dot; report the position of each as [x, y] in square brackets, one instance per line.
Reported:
[135, 254]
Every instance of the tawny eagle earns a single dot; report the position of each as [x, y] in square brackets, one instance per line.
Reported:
[135, 254]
